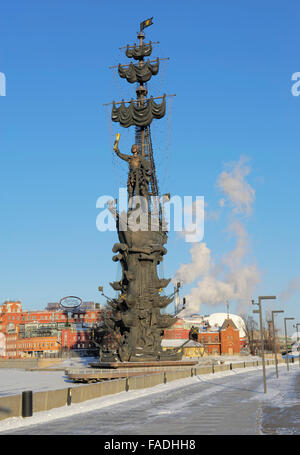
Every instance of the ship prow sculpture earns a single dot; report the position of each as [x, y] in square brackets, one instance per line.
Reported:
[135, 320]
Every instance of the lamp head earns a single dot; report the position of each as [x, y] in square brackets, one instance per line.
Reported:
[267, 297]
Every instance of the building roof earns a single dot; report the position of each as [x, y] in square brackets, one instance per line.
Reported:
[177, 343]
[174, 343]
[193, 344]
[228, 322]
[219, 318]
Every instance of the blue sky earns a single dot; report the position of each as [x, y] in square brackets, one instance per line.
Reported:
[230, 66]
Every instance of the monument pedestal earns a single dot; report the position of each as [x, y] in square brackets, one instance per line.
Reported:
[101, 371]
[142, 364]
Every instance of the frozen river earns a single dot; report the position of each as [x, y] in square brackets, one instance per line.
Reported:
[227, 403]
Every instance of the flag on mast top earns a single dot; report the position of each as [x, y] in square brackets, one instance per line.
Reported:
[146, 23]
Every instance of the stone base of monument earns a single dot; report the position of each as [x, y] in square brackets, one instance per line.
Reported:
[144, 364]
[101, 371]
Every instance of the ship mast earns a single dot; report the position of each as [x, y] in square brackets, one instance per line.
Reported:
[141, 112]
[141, 91]
[143, 138]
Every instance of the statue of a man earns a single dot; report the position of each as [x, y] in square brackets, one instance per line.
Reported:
[139, 172]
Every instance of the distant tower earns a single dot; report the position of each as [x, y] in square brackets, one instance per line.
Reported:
[227, 306]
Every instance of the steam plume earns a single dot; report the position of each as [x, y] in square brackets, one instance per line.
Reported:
[231, 278]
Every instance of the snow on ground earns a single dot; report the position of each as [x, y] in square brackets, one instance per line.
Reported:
[15, 381]
[76, 362]
[212, 393]
[227, 359]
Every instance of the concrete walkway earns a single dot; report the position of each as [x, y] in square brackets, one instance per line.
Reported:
[220, 404]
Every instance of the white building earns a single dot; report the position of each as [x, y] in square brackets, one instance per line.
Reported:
[215, 321]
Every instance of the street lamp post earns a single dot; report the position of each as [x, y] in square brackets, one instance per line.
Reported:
[270, 336]
[286, 346]
[260, 298]
[274, 339]
[297, 325]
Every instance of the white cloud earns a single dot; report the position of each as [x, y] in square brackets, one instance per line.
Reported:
[236, 189]
[193, 215]
[231, 278]
[200, 264]
[292, 287]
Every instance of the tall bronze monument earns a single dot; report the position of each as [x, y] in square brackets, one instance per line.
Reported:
[136, 320]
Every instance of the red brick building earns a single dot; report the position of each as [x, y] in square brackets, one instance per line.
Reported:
[222, 340]
[33, 346]
[45, 331]
[179, 330]
[229, 338]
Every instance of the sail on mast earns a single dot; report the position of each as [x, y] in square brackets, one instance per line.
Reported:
[138, 113]
[136, 73]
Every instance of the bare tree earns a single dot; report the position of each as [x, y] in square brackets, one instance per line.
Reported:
[269, 335]
[250, 327]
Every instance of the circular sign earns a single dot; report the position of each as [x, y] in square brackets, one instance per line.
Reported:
[70, 303]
